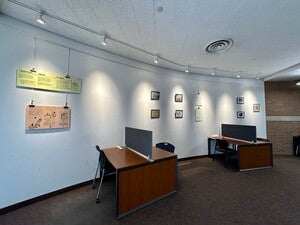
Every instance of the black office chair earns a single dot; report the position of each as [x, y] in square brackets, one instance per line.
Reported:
[166, 146]
[223, 146]
[104, 167]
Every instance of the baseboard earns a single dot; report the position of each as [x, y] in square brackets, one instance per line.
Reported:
[42, 197]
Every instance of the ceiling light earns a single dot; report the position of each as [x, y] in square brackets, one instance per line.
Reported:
[213, 71]
[238, 75]
[103, 42]
[39, 18]
[156, 59]
[298, 83]
[186, 68]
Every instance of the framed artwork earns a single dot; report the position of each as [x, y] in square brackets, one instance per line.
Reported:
[178, 97]
[240, 114]
[47, 117]
[155, 95]
[155, 113]
[178, 114]
[256, 107]
[240, 100]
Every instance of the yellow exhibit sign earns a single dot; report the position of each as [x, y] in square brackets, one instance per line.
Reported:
[45, 81]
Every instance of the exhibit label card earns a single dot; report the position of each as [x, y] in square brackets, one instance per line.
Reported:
[47, 81]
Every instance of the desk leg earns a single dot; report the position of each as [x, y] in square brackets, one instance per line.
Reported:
[117, 194]
[238, 160]
[208, 147]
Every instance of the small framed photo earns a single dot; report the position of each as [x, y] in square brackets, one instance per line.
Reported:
[256, 107]
[240, 114]
[178, 97]
[178, 114]
[155, 113]
[240, 100]
[155, 95]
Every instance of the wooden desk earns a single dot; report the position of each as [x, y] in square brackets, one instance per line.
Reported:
[250, 155]
[139, 182]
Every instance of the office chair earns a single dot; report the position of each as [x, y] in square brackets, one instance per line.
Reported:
[104, 167]
[222, 146]
[166, 146]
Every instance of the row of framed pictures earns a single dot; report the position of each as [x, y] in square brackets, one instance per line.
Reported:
[241, 114]
[156, 94]
[155, 114]
[241, 100]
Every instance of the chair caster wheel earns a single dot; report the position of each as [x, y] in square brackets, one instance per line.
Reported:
[97, 200]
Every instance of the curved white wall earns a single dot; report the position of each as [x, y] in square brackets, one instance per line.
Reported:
[115, 94]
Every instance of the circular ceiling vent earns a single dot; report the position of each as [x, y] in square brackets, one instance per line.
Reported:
[219, 45]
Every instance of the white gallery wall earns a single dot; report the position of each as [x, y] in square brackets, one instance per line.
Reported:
[115, 93]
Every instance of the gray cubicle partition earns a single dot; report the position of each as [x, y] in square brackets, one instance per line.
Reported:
[139, 140]
[243, 132]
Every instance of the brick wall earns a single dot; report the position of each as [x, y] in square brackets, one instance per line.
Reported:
[282, 100]
[281, 133]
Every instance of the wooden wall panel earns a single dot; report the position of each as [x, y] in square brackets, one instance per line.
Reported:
[138, 186]
[253, 156]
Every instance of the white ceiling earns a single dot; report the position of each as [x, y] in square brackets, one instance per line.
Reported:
[266, 33]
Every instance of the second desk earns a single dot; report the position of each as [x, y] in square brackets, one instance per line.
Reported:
[251, 155]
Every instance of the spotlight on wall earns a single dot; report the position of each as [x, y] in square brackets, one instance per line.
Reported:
[156, 59]
[39, 18]
[186, 68]
[103, 42]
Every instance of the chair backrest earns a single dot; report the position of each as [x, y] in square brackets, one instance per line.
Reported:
[104, 163]
[102, 158]
[166, 146]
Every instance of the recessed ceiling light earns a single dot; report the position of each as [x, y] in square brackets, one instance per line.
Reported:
[219, 45]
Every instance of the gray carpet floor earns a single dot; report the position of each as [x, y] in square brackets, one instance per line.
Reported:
[207, 193]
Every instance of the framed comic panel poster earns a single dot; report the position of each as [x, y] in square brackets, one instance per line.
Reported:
[47, 117]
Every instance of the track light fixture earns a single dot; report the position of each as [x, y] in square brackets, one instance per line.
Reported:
[39, 18]
[186, 68]
[238, 75]
[216, 46]
[156, 59]
[103, 42]
[213, 71]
